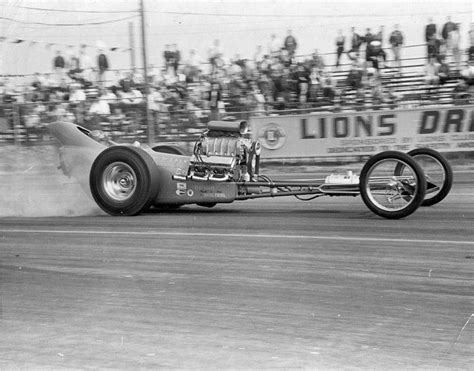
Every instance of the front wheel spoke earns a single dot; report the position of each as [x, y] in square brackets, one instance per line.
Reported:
[399, 196]
[394, 197]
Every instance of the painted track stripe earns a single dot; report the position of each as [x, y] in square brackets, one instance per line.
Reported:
[235, 235]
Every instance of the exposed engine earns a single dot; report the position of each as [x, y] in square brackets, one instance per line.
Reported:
[225, 152]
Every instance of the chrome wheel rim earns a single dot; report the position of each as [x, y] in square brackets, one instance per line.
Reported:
[119, 181]
[387, 191]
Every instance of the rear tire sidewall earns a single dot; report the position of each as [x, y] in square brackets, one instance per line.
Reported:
[146, 180]
[420, 180]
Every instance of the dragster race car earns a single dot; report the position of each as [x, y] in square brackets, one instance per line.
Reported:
[128, 179]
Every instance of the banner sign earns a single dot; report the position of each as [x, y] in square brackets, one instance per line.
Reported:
[449, 129]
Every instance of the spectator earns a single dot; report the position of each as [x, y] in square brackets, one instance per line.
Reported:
[340, 41]
[77, 98]
[434, 49]
[339, 99]
[317, 61]
[471, 43]
[396, 41]
[288, 85]
[356, 42]
[290, 44]
[257, 100]
[175, 58]
[369, 37]
[61, 113]
[72, 61]
[461, 93]
[107, 95]
[280, 85]
[155, 103]
[130, 96]
[154, 74]
[266, 86]
[103, 66]
[167, 55]
[237, 66]
[378, 95]
[302, 78]
[59, 64]
[76, 93]
[137, 77]
[280, 103]
[237, 92]
[359, 100]
[274, 46]
[100, 105]
[393, 98]
[126, 81]
[38, 81]
[354, 78]
[49, 81]
[285, 58]
[456, 46]
[443, 50]
[259, 57]
[328, 85]
[193, 67]
[430, 30]
[34, 117]
[448, 27]
[85, 64]
[215, 57]
[372, 48]
[467, 73]
[314, 84]
[379, 36]
[214, 98]
[374, 52]
[470, 57]
[99, 112]
[431, 75]
[443, 72]
[370, 74]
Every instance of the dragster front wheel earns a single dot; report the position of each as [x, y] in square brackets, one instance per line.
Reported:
[123, 180]
[438, 174]
[387, 194]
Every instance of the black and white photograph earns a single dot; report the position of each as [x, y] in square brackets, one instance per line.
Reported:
[236, 185]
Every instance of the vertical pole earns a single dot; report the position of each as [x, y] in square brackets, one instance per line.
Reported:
[131, 41]
[149, 123]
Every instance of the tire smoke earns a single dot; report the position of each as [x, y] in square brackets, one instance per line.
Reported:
[34, 186]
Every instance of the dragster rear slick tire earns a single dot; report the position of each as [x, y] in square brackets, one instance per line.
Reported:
[387, 195]
[124, 180]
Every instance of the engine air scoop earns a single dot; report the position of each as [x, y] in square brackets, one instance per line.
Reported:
[241, 127]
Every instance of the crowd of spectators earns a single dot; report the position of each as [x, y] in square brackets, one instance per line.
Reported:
[188, 91]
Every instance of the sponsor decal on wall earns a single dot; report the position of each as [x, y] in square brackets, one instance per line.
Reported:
[272, 136]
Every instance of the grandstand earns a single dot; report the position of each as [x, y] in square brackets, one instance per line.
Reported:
[184, 108]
